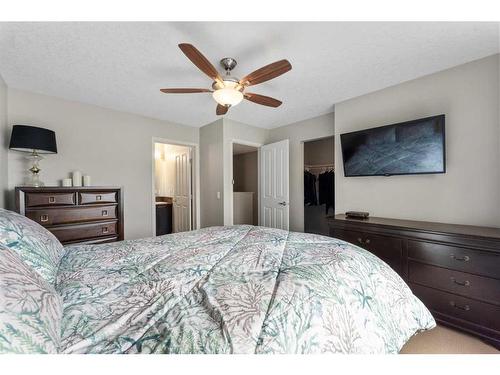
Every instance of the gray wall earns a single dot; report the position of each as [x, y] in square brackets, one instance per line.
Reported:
[4, 143]
[319, 152]
[297, 133]
[469, 192]
[211, 174]
[114, 148]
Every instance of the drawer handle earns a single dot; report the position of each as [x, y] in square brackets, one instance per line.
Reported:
[465, 258]
[105, 229]
[465, 307]
[44, 218]
[98, 197]
[365, 242]
[461, 283]
[52, 199]
[104, 212]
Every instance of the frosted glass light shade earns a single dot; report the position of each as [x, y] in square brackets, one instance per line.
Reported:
[228, 95]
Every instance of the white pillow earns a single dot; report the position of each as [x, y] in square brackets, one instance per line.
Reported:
[36, 246]
[30, 308]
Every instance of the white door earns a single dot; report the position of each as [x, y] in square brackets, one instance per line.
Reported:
[182, 194]
[274, 185]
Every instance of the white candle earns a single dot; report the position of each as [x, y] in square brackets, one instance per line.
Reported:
[86, 180]
[67, 182]
[77, 178]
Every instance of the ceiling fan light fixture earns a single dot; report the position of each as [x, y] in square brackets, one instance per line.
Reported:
[229, 94]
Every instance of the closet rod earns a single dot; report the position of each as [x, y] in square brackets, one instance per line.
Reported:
[318, 166]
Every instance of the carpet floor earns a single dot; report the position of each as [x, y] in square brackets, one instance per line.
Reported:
[443, 340]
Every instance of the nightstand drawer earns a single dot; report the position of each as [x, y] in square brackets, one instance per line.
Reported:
[389, 249]
[465, 284]
[96, 197]
[84, 231]
[456, 258]
[464, 308]
[51, 216]
[50, 199]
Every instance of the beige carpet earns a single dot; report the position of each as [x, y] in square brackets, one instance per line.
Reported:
[442, 340]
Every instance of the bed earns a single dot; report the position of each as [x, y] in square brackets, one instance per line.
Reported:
[231, 289]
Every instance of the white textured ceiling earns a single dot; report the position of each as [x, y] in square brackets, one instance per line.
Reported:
[123, 65]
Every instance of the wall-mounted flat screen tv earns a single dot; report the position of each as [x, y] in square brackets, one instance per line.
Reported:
[413, 147]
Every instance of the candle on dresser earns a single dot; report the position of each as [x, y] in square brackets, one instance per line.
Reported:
[86, 180]
[67, 182]
[77, 178]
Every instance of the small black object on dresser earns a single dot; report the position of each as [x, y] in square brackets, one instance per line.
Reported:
[453, 269]
[75, 214]
[357, 215]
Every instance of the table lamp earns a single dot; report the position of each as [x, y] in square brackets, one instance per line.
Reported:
[36, 141]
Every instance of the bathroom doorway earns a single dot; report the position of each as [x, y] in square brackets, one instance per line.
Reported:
[174, 206]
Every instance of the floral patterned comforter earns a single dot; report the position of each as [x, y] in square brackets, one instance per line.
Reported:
[238, 289]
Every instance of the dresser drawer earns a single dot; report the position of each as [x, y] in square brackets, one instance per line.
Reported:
[456, 258]
[84, 231]
[459, 307]
[50, 199]
[53, 216]
[96, 197]
[389, 249]
[465, 284]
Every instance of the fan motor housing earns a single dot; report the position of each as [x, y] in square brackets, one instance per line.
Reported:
[228, 63]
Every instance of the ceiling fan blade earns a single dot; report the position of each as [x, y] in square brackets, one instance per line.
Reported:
[200, 61]
[183, 91]
[266, 73]
[264, 100]
[221, 110]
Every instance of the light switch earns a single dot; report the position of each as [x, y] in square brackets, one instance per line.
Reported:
[218, 195]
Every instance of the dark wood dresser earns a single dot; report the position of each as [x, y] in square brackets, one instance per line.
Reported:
[453, 269]
[75, 215]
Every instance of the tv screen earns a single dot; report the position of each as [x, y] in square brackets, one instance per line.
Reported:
[413, 147]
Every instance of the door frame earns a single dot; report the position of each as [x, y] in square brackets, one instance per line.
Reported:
[195, 180]
[229, 220]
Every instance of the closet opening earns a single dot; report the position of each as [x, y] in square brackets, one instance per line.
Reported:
[245, 184]
[319, 184]
[173, 209]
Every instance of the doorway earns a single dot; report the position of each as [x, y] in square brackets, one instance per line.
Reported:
[245, 184]
[319, 184]
[173, 209]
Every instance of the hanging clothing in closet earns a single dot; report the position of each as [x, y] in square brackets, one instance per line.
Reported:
[310, 196]
[326, 182]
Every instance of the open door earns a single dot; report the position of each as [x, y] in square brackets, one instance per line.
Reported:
[274, 184]
[182, 194]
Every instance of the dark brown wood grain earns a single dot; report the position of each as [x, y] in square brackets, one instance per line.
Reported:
[263, 100]
[453, 269]
[84, 231]
[266, 73]
[77, 214]
[50, 199]
[53, 216]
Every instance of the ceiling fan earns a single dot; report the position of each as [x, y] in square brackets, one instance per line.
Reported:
[229, 91]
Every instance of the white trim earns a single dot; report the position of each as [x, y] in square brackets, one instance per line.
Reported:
[195, 182]
[231, 198]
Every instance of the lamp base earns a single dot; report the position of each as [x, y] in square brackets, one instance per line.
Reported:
[35, 170]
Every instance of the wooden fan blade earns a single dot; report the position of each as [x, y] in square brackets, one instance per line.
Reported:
[266, 73]
[200, 61]
[184, 91]
[221, 110]
[264, 100]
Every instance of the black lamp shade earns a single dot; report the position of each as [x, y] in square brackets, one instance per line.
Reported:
[29, 138]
